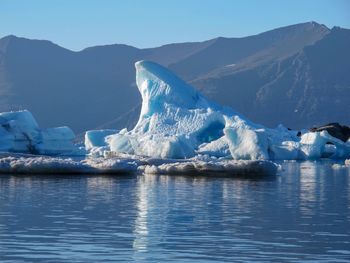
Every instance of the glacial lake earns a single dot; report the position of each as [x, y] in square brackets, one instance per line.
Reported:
[300, 215]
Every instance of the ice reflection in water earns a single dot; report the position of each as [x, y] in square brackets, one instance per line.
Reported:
[141, 221]
[303, 214]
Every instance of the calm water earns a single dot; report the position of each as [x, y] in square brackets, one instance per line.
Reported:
[301, 215]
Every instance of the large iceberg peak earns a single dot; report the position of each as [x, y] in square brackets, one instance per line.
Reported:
[160, 87]
[176, 121]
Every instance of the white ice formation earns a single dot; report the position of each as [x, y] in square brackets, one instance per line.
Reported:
[19, 132]
[177, 122]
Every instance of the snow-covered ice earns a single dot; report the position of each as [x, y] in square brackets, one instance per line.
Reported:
[19, 132]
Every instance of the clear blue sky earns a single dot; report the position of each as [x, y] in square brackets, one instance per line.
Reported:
[76, 24]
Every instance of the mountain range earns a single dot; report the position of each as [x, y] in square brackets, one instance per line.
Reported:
[296, 75]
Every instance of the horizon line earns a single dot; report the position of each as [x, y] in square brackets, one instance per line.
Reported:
[172, 43]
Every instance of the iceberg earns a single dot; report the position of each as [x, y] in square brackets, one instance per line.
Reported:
[177, 122]
[19, 132]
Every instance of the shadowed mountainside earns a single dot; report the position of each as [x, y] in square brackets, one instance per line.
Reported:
[310, 87]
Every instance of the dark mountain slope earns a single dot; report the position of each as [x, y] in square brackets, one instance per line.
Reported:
[79, 89]
[309, 88]
[173, 53]
[223, 52]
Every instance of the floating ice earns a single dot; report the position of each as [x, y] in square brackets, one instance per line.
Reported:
[19, 132]
[96, 138]
[176, 121]
[122, 164]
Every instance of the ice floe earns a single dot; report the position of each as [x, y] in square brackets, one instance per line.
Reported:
[126, 164]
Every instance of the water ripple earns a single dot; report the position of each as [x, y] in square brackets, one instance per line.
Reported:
[301, 215]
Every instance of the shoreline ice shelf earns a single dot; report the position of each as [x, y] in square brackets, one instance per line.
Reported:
[176, 121]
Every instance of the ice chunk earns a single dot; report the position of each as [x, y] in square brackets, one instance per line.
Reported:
[19, 132]
[122, 143]
[316, 145]
[97, 138]
[286, 150]
[216, 148]
[247, 144]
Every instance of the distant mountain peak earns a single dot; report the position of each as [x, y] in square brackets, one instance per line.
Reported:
[306, 26]
[5, 41]
[109, 47]
[311, 25]
[10, 40]
[314, 23]
[8, 37]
